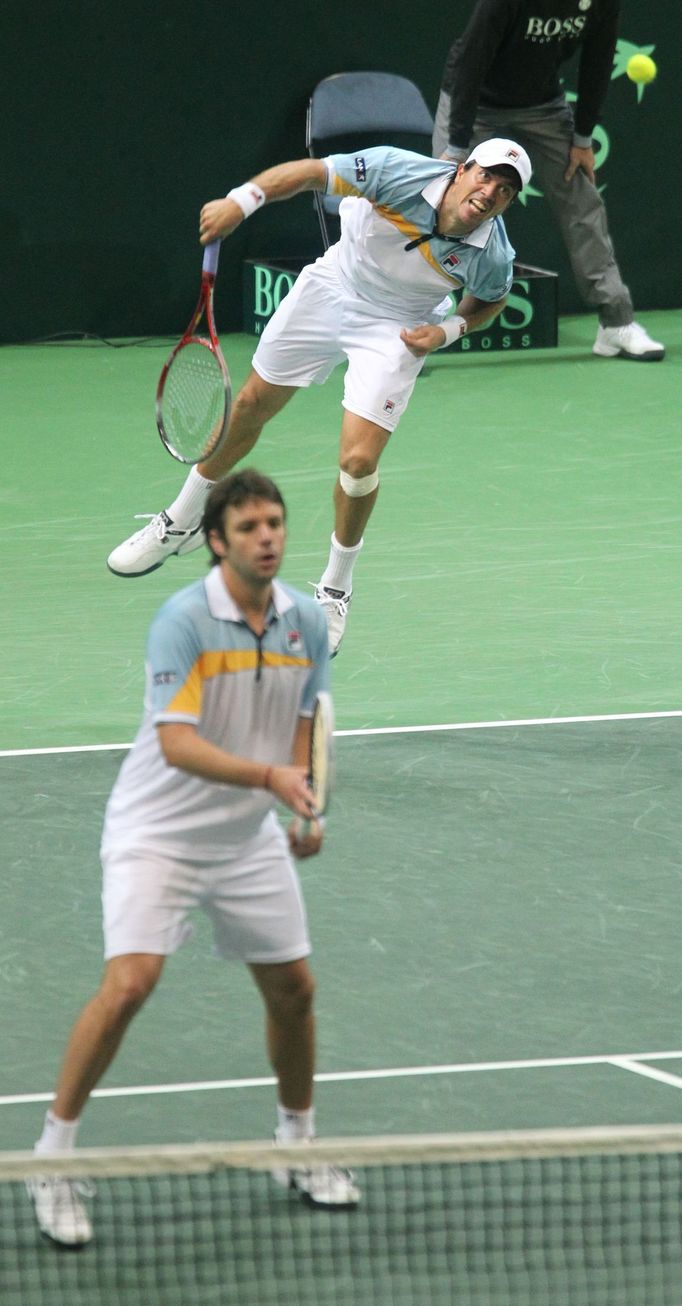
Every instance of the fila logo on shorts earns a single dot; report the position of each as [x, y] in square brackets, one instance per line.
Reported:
[389, 406]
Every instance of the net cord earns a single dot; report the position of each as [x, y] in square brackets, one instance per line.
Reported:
[205, 1158]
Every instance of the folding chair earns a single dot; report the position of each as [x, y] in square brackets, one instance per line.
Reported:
[355, 110]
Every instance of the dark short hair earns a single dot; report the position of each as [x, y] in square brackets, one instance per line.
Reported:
[233, 492]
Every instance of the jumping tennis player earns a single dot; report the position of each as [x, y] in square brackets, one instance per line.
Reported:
[234, 664]
[412, 231]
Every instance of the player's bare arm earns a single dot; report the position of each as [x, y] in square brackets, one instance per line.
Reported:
[476, 313]
[221, 217]
[183, 747]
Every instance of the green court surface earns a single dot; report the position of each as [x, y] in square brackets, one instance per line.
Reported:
[489, 897]
[522, 560]
[495, 916]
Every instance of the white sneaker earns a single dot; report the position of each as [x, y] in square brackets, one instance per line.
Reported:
[59, 1211]
[148, 548]
[629, 341]
[324, 1186]
[336, 604]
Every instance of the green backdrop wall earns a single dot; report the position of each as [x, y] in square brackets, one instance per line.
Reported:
[119, 119]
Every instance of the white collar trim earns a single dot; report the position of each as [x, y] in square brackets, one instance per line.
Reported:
[222, 606]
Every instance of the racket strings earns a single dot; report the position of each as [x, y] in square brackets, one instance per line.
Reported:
[193, 401]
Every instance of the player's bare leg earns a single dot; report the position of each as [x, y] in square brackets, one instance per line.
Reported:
[98, 1031]
[288, 991]
[288, 994]
[94, 1041]
[257, 402]
[355, 494]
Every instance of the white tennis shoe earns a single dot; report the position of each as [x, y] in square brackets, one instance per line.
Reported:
[60, 1213]
[325, 1186]
[335, 604]
[629, 341]
[149, 547]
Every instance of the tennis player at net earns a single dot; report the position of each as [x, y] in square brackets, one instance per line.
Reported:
[412, 230]
[234, 664]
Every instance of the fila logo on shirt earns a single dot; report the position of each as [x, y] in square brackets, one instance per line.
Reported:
[547, 29]
[360, 169]
[294, 641]
[449, 262]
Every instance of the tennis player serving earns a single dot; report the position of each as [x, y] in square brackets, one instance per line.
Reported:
[236, 665]
[413, 230]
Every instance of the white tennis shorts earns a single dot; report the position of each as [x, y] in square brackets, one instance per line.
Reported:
[317, 326]
[253, 898]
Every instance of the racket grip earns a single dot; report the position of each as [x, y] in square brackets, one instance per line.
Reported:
[211, 256]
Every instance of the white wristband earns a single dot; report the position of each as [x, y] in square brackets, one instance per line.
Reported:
[248, 197]
[454, 327]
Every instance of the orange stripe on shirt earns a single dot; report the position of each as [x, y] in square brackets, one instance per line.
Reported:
[224, 662]
[409, 230]
[341, 187]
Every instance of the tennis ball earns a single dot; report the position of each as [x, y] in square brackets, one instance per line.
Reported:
[641, 68]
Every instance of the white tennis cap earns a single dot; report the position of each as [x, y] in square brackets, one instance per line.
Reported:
[492, 153]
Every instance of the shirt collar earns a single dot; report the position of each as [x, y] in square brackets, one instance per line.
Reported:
[433, 193]
[222, 606]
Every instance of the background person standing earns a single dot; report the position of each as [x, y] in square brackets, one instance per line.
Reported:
[502, 77]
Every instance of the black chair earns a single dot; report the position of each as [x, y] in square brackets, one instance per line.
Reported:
[350, 111]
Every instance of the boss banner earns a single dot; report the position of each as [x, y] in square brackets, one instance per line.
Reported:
[529, 320]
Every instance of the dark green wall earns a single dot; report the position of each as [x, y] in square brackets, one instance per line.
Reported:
[120, 119]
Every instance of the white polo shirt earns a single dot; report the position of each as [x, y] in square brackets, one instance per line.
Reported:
[206, 666]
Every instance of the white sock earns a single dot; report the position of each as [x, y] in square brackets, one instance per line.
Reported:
[292, 1125]
[58, 1135]
[338, 574]
[187, 509]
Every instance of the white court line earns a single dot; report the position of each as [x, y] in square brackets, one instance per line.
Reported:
[395, 730]
[649, 1072]
[623, 1061]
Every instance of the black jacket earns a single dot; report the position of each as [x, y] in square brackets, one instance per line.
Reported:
[510, 53]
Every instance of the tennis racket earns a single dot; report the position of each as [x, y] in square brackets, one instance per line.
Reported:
[322, 762]
[194, 396]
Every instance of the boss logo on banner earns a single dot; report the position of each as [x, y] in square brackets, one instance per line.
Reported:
[528, 320]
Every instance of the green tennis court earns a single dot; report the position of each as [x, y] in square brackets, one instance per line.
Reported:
[495, 915]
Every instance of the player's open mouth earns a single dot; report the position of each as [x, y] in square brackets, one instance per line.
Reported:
[479, 206]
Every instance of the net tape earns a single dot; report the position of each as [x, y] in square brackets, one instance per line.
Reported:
[391, 1149]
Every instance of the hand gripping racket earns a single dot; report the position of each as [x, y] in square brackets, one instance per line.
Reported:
[194, 396]
[322, 762]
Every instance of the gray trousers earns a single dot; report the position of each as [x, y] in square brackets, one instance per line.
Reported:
[546, 133]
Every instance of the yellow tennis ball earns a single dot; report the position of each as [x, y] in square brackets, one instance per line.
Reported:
[641, 68]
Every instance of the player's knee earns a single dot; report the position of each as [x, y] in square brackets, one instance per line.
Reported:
[256, 402]
[294, 997]
[358, 479]
[124, 994]
[248, 408]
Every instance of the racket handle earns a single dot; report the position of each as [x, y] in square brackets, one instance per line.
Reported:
[211, 256]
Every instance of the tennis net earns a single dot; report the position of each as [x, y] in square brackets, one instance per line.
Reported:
[584, 1217]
